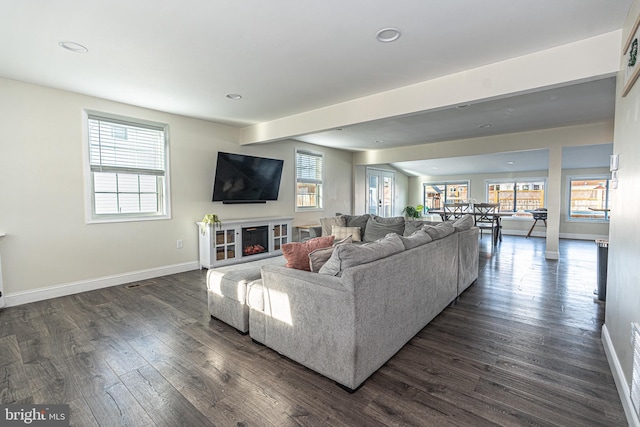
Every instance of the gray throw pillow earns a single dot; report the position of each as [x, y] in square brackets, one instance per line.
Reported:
[418, 238]
[357, 221]
[439, 231]
[319, 257]
[378, 227]
[465, 222]
[346, 256]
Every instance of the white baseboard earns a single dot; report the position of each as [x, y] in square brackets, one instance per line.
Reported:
[618, 377]
[575, 236]
[18, 298]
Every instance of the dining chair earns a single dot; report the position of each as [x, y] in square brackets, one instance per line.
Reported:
[454, 210]
[486, 220]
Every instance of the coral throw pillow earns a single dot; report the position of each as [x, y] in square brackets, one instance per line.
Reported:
[297, 253]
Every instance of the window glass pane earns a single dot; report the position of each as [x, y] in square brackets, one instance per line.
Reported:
[106, 203]
[104, 182]
[129, 203]
[148, 203]
[127, 183]
[148, 184]
[307, 195]
[589, 199]
[529, 196]
[434, 195]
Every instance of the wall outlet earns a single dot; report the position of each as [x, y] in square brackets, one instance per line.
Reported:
[179, 243]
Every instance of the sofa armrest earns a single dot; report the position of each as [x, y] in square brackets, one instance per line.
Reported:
[310, 318]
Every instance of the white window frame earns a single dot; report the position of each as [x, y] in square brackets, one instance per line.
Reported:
[595, 177]
[521, 180]
[164, 202]
[446, 183]
[319, 182]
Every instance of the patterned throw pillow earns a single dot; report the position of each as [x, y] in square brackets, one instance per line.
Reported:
[297, 253]
[342, 232]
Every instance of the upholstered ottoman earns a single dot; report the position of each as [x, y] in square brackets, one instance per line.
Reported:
[228, 290]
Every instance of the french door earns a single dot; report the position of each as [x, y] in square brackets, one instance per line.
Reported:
[380, 194]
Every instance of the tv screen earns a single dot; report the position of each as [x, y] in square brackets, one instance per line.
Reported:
[246, 179]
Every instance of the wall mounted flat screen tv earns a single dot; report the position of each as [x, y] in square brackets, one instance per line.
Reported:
[246, 179]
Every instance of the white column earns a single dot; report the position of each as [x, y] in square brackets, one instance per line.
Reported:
[1, 285]
[554, 186]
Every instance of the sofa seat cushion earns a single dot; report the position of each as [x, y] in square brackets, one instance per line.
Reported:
[378, 227]
[231, 281]
[418, 238]
[297, 253]
[346, 256]
[440, 231]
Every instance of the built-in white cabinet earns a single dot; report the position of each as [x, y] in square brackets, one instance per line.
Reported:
[242, 240]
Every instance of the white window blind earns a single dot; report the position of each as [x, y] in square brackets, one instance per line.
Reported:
[309, 175]
[123, 147]
[127, 163]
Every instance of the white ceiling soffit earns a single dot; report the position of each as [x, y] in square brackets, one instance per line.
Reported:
[582, 157]
[563, 106]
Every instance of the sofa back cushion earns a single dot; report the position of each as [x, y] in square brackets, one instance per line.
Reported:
[346, 256]
[465, 222]
[440, 231]
[412, 225]
[357, 221]
[418, 238]
[327, 223]
[378, 227]
[297, 253]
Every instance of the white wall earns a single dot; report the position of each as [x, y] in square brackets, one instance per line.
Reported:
[48, 244]
[623, 292]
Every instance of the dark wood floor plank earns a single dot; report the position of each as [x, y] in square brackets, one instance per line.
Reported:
[520, 347]
[162, 402]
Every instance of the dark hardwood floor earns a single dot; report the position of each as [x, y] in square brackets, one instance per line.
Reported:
[520, 347]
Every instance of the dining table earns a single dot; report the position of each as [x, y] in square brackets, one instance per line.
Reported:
[497, 217]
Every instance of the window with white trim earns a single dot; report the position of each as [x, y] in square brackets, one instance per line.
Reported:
[309, 175]
[589, 198]
[127, 161]
[436, 195]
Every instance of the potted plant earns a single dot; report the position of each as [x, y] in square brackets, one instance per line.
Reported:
[210, 219]
[413, 212]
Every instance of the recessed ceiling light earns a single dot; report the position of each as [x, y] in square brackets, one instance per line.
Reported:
[485, 126]
[234, 96]
[73, 47]
[379, 141]
[511, 162]
[388, 35]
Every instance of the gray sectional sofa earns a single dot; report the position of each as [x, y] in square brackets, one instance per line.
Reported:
[348, 320]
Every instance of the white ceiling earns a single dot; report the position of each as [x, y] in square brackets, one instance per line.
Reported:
[290, 56]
